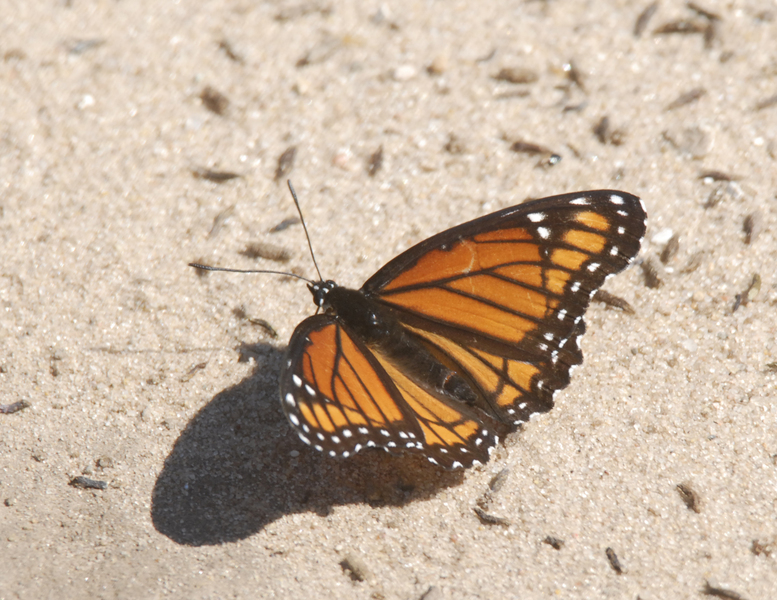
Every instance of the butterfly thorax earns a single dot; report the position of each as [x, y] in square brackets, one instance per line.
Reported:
[385, 335]
[359, 313]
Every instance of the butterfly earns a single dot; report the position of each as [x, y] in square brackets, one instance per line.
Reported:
[462, 337]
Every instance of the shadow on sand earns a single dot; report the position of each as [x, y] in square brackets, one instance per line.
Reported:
[231, 472]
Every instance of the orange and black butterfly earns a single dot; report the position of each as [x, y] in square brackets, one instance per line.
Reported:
[460, 338]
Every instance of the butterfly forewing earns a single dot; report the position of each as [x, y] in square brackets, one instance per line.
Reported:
[502, 297]
[336, 395]
[342, 397]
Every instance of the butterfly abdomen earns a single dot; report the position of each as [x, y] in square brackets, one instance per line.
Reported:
[383, 334]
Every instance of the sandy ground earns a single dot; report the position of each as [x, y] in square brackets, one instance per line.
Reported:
[162, 384]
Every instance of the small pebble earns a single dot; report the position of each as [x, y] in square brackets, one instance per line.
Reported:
[405, 73]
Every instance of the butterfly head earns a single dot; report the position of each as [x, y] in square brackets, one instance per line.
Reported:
[320, 291]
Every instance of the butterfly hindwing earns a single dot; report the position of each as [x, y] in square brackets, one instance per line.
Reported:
[454, 435]
[501, 299]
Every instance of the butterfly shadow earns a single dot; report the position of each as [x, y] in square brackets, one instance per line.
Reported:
[237, 467]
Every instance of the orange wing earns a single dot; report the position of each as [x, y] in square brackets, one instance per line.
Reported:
[342, 397]
[500, 300]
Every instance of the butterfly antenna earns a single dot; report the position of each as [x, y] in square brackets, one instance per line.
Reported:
[209, 268]
[305, 227]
